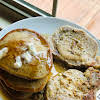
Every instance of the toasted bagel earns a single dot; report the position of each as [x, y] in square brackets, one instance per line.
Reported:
[25, 53]
[74, 46]
[70, 85]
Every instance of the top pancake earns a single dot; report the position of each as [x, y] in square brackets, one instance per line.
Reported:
[26, 54]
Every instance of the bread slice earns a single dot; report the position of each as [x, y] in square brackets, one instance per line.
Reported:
[15, 94]
[26, 54]
[74, 46]
[20, 84]
[70, 85]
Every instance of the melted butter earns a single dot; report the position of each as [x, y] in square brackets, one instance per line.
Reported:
[58, 67]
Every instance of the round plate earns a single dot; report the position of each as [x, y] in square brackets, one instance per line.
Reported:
[41, 25]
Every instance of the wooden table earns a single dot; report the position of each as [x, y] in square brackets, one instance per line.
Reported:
[84, 12]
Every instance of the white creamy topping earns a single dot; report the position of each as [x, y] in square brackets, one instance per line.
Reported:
[18, 62]
[32, 48]
[33, 51]
[27, 56]
[3, 52]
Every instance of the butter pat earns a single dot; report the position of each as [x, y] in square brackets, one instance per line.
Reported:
[32, 48]
[27, 57]
[18, 62]
[3, 52]
[33, 51]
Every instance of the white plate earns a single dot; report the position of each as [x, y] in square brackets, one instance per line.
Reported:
[42, 25]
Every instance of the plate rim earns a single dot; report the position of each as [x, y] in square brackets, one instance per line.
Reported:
[41, 17]
[56, 18]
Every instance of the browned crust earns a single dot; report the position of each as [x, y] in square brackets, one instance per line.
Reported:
[25, 89]
[39, 36]
[24, 29]
[14, 93]
[57, 55]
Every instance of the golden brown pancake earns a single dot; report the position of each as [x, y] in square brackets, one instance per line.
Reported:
[21, 84]
[14, 93]
[26, 54]
[38, 96]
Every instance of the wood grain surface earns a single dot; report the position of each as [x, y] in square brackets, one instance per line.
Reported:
[84, 12]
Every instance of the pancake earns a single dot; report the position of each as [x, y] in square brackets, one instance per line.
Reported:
[14, 93]
[25, 53]
[70, 85]
[38, 96]
[20, 84]
[74, 46]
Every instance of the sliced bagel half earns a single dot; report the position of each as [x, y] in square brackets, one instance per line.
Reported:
[74, 46]
[70, 85]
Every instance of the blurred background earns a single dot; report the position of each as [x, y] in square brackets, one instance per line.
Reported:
[83, 12]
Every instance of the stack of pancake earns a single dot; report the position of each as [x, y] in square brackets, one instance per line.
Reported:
[25, 63]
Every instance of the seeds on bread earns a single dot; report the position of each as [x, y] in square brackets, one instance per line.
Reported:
[74, 46]
[70, 85]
